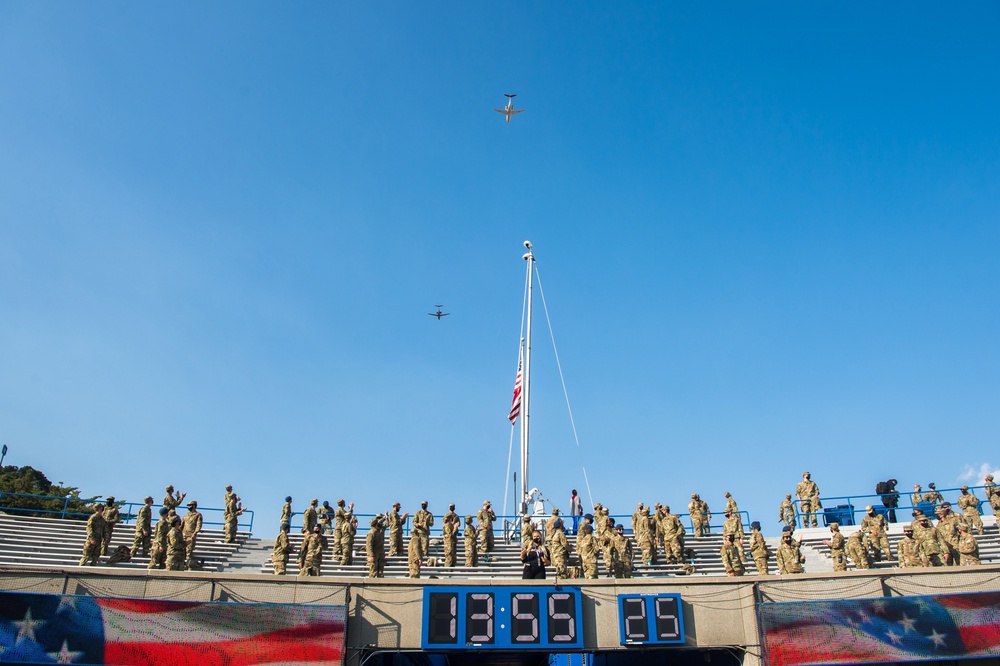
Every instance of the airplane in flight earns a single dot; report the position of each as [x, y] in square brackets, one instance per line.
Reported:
[509, 110]
[439, 314]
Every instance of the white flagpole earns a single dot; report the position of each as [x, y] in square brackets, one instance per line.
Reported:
[526, 386]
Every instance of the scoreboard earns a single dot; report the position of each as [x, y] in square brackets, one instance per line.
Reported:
[485, 618]
[650, 619]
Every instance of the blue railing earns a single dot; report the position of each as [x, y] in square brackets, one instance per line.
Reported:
[128, 510]
[845, 509]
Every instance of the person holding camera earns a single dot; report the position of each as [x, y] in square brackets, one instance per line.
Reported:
[535, 557]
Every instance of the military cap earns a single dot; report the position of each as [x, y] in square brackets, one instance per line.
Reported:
[989, 477]
[788, 496]
[468, 519]
[340, 502]
[451, 506]
[945, 505]
[229, 487]
[639, 505]
[869, 508]
[558, 524]
[786, 528]
[169, 488]
[192, 503]
[98, 507]
[755, 525]
[147, 498]
[587, 529]
[806, 474]
[666, 507]
[396, 505]
[486, 503]
[288, 498]
[374, 521]
[555, 512]
[917, 512]
[916, 486]
[727, 494]
[619, 528]
[694, 495]
[834, 526]
[931, 485]
[586, 516]
[285, 526]
[111, 499]
[326, 503]
[964, 488]
[657, 505]
[164, 511]
[314, 501]
[176, 520]
[645, 510]
[424, 503]
[598, 505]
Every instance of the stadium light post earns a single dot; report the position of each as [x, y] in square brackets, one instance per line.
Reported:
[3, 454]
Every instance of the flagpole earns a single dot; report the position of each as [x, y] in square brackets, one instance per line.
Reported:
[529, 258]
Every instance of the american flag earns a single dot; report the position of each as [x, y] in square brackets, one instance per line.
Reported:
[891, 629]
[515, 404]
[67, 629]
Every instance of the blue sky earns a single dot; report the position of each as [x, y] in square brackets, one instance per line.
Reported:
[767, 235]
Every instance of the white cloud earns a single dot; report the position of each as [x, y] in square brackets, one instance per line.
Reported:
[977, 474]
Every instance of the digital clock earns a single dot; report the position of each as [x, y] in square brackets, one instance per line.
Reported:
[650, 619]
[482, 618]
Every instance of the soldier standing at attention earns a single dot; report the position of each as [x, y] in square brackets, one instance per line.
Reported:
[159, 556]
[341, 518]
[449, 539]
[311, 553]
[396, 523]
[731, 556]
[286, 511]
[414, 549]
[700, 516]
[967, 502]
[635, 518]
[347, 534]
[486, 516]
[282, 549]
[857, 552]
[808, 494]
[171, 501]
[452, 517]
[112, 516]
[786, 512]
[990, 489]
[471, 541]
[95, 537]
[324, 514]
[423, 521]
[789, 557]
[968, 547]
[836, 544]
[559, 549]
[375, 546]
[622, 553]
[549, 524]
[673, 537]
[932, 495]
[948, 524]
[758, 549]
[934, 550]
[586, 548]
[527, 529]
[908, 550]
[143, 528]
[310, 517]
[176, 548]
[916, 497]
[645, 537]
[231, 520]
[191, 525]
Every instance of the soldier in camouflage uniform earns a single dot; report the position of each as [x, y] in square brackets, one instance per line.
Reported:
[758, 549]
[635, 518]
[143, 528]
[158, 558]
[786, 512]
[991, 491]
[731, 504]
[700, 516]
[230, 520]
[190, 526]
[731, 557]
[607, 545]
[621, 553]
[968, 547]
[486, 516]
[586, 549]
[341, 518]
[347, 534]
[95, 537]
[423, 521]
[875, 528]
[324, 515]
[282, 550]
[967, 502]
[916, 497]
[450, 539]
[908, 550]
[932, 495]
[453, 518]
[375, 546]
[414, 550]
[857, 552]
[789, 557]
[396, 523]
[836, 544]
[948, 524]
[172, 501]
[658, 523]
[310, 517]
[176, 548]
[527, 529]
[559, 549]
[229, 496]
[286, 511]
[311, 552]
[673, 537]
[934, 549]
[808, 494]
[111, 518]
[471, 540]
[645, 536]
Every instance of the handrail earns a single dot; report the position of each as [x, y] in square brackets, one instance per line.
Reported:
[855, 504]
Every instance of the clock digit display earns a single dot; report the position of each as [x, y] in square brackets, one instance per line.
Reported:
[442, 625]
[524, 618]
[650, 619]
[562, 619]
[479, 625]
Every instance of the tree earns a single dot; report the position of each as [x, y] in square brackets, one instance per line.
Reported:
[35, 495]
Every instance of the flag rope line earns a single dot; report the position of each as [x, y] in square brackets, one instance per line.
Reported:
[520, 344]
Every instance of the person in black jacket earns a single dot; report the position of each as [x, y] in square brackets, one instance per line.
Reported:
[890, 498]
[535, 557]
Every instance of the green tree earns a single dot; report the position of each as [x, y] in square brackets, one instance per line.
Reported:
[35, 495]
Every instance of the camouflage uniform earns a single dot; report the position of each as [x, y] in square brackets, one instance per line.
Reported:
[396, 523]
[527, 529]
[112, 516]
[786, 512]
[932, 495]
[673, 538]
[423, 521]
[857, 552]
[375, 547]
[837, 552]
[645, 537]
[311, 553]
[485, 517]
[916, 497]
[700, 516]
[191, 525]
[731, 557]
[471, 549]
[933, 547]
[414, 552]
[143, 529]
[231, 520]
[758, 549]
[607, 545]
[732, 525]
[948, 524]
[341, 518]
[808, 494]
[908, 550]
[559, 550]
[968, 547]
[347, 534]
[621, 554]
[875, 527]
[586, 549]
[324, 515]
[281, 551]
[450, 542]
[991, 491]
[229, 497]
[968, 503]
[789, 557]
[171, 501]
[453, 518]
[95, 537]
[310, 517]
[176, 548]
[286, 512]
[635, 518]
[731, 505]
[158, 558]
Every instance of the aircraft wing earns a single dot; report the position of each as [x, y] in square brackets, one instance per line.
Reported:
[499, 110]
[517, 110]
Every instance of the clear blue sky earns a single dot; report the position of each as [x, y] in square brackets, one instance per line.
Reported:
[768, 235]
